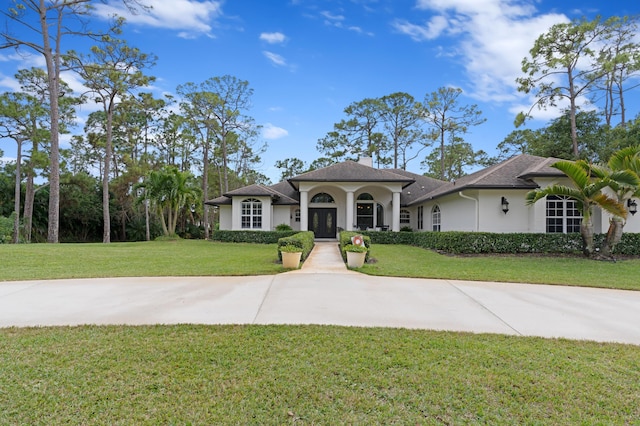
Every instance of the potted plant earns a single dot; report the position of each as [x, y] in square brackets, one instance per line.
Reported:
[355, 255]
[291, 256]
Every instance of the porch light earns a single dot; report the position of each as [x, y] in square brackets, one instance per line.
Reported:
[505, 205]
[633, 207]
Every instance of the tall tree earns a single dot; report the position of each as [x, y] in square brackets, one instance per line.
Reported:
[217, 112]
[290, 167]
[562, 67]
[56, 19]
[358, 135]
[448, 119]
[112, 71]
[460, 157]
[401, 117]
[619, 60]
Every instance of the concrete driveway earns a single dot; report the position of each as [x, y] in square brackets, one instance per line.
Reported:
[349, 299]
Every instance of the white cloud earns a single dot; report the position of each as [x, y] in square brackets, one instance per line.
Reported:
[190, 16]
[491, 37]
[271, 132]
[431, 30]
[275, 58]
[331, 17]
[273, 38]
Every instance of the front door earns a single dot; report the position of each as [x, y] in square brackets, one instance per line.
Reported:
[322, 221]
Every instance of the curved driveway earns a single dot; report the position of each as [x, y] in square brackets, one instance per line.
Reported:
[324, 292]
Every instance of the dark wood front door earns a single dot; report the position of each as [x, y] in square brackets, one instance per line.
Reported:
[322, 222]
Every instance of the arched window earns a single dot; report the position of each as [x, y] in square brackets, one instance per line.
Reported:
[322, 197]
[405, 217]
[435, 219]
[251, 214]
[365, 196]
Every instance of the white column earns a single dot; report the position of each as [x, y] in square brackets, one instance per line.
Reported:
[395, 224]
[349, 219]
[304, 210]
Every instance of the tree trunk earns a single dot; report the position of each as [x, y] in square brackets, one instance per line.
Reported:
[147, 230]
[29, 198]
[16, 219]
[205, 187]
[53, 75]
[613, 237]
[586, 231]
[106, 217]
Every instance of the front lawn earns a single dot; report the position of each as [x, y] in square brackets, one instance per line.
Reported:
[274, 375]
[155, 258]
[407, 261]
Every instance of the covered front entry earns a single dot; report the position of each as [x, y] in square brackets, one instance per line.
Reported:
[322, 221]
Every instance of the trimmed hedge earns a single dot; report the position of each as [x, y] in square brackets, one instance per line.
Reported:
[260, 237]
[486, 242]
[345, 239]
[304, 240]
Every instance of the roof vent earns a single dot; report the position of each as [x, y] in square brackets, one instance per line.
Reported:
[366, 161]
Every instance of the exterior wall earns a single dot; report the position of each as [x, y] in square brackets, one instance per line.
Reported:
[632, 223]
[281, 214]
[493, 219]
[225, 217]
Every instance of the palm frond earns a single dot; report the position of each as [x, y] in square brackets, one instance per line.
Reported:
[575, 171]
[611, 205]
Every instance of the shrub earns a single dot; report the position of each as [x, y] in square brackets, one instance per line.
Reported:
[261, 237]
[6, 229]
[486, 242]
[283, 227]
[301, 240]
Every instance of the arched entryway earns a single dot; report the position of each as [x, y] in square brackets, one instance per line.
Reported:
[322, 218]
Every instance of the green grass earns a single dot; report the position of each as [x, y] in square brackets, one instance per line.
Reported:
[274, 375]
[406, 261]
[206, 258]
[156, 258]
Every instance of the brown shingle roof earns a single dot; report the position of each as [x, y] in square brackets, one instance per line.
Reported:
[255, 191]
[350, 171]
[422, 185]
[516, 172]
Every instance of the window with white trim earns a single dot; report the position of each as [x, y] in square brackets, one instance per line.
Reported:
[251, 214]
[297, 215]
[563, 216]
[405, 217]
[420, 217]
[435, 219]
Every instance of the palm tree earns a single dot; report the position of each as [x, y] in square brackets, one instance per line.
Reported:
[587, 192]
[169, 190]
[623, 175]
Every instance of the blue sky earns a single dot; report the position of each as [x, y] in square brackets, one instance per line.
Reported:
[306, 60]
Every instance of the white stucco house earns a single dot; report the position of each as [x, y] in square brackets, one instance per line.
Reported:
[355, 196]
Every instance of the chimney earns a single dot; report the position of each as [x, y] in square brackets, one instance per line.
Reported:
[366, 161]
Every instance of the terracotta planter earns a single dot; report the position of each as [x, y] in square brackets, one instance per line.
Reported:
[355, 260]
[291, 260]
